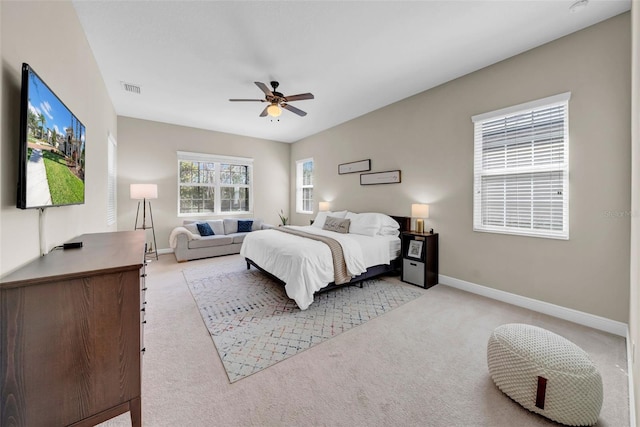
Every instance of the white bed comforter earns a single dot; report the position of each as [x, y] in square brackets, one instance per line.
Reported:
[306, 265]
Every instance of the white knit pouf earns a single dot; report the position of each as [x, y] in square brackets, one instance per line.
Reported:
[545, 373]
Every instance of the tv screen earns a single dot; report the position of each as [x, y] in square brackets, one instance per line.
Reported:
[52, 148]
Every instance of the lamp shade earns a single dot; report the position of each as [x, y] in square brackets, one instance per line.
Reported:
[143, 191]
[419, 211]
[323, 206]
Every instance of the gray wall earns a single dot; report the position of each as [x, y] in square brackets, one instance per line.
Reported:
[430, 138]
[147, 154]
[48, 36]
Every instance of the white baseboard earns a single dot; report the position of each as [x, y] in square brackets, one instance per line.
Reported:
[579, 317]
[632, 398]
[165, 251]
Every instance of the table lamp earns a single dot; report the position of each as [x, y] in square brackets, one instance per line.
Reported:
[419, 211]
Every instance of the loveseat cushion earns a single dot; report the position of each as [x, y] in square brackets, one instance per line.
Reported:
[216, 225]
[192, 227]
[238, 237]
[230, 225]
[209, 241]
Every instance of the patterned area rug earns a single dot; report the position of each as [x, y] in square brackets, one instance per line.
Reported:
[255, 325]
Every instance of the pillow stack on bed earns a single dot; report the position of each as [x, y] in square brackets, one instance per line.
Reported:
[368, 224]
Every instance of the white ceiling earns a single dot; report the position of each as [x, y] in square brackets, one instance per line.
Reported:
[190, 57]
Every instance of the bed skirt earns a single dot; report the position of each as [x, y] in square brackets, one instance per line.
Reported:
[376, 270]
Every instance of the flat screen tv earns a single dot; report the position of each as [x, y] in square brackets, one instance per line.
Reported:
[52, 148]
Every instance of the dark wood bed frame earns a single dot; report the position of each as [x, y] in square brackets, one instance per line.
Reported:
[376, 270]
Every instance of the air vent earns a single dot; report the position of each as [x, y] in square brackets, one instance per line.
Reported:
[130, 87]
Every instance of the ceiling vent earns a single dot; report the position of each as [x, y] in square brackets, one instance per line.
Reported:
[130, 87]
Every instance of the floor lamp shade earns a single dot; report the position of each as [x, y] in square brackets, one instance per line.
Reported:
[143, 191]
[323, 206]
[419, 211]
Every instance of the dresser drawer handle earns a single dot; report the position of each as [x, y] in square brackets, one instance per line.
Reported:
[415, 265]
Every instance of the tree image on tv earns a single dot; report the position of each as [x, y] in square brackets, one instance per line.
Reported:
[55, 149]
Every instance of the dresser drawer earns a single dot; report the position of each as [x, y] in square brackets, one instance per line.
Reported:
[413, 272]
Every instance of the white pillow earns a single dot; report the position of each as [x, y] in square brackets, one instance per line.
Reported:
[388, 231]
[365, 224]
[387, 221]
[322, 216]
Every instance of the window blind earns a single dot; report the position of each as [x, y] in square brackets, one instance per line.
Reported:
[304, 186]
[521, 167]
[112, 196]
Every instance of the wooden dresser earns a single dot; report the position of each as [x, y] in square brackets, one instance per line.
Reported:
[71, 334]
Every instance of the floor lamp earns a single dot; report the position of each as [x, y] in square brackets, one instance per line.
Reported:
[143, 193]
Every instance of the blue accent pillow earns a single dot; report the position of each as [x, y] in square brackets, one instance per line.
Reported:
[205, 229]
[244, 226]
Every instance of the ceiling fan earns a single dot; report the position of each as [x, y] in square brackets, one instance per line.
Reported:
[277, 100]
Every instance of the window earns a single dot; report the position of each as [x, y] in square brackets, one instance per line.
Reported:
[521, 169]
[112, 173]
[304, 186]
[209, 184]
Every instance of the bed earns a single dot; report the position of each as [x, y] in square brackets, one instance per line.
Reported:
[301, 258]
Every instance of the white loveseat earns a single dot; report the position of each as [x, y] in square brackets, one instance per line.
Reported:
[188, 243]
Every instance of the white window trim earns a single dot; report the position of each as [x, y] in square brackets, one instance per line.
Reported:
[300, 186]
[217, 159]
[478, 120]
[112, 180]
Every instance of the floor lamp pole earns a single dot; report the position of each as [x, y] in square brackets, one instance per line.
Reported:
[144, 222]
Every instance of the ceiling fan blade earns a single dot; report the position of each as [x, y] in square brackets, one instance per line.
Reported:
[299, 97]
[263, 87]
[264, 112]
[259, 100]
[293, 109]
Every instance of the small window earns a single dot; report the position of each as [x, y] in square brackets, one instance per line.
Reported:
[112, 183]
[304, 186]
[521, 169]
[210, 184]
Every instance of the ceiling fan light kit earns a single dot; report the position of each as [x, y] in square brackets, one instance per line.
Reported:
[277, 101]
[273, 110]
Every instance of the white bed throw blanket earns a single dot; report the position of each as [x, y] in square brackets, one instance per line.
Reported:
[306, 265]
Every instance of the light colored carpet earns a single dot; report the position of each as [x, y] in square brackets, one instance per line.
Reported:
[422, 364]
[255, 325]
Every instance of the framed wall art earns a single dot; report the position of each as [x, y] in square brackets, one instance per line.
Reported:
[388, 177]
[352, 167]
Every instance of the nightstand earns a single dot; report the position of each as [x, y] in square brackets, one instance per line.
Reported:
[420, 258]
